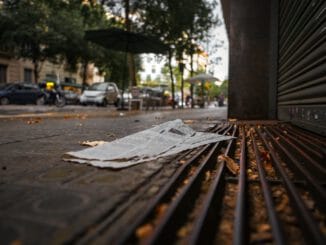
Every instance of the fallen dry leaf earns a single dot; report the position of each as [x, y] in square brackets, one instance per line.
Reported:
[207, 176]
[264, 228]
[93, 143]
[230, 164]
[160, 210]
[16, 242]
[75, 116]
[261, 238]
[265, 156]
[310, 204]
[67, 117]
[283, 204]
[144, 231]
[184, 231]
[33, 121]
[188, 121]
[253, 177]
[182, 161]
[268, 165]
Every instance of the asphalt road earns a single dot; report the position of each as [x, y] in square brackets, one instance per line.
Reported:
[46, 200]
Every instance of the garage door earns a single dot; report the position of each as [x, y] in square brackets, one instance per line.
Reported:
[302, 64]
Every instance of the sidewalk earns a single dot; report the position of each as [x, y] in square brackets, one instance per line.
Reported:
[46, 200]
[21, 111]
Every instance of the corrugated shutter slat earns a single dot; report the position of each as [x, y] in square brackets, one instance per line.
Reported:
[301, 84]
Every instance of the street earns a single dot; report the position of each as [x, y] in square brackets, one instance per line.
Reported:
[46, 200]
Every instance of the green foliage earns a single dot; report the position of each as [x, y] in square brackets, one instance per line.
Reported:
[25, 27]
[178, 23]
[114, 65]
[224, 87]
[54, 29]
[212, 90]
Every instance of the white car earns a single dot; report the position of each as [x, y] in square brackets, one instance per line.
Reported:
[101, 94]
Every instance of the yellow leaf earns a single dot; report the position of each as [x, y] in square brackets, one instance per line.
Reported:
[230, 164]
[144, 231]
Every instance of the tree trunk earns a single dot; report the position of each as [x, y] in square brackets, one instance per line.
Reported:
[132, 70]
[172, 80]
[131, 60]
[181, 69]
[36, 70]
[191, 75]
[85, 65]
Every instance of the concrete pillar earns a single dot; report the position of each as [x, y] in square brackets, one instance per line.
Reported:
[253, 55]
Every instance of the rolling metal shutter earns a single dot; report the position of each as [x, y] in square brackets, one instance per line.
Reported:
[301, 84]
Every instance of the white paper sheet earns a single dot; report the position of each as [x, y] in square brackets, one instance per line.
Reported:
[165, 139]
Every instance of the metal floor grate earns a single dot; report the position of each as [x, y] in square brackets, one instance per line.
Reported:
[265, 186]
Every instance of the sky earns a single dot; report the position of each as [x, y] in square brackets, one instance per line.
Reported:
[219, 36]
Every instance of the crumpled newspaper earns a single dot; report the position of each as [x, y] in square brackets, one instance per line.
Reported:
[162, 140]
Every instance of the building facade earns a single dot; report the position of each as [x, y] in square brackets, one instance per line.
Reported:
[152, 65]
[22, 70]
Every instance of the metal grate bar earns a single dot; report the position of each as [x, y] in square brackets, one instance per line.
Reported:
[179, 209]
[277, 230]
[305, 218]
[240, 234]
[273, 196]
[168, 191]
[205, 226]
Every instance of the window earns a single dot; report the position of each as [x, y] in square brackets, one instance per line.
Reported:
[3, 73]
[153, 69]
[28, 75]
[110, 88]
[70, 80]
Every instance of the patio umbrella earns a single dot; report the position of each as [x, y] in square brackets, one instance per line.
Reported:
[126, 41]
[202, 78]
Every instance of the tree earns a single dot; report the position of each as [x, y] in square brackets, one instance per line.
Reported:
[52, 30]
[224, 88]
[25, 30]
[179, 24]
[114, 65]
[86, 15]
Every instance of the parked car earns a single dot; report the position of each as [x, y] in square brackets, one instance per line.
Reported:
[152, 97]
[20, 93]
[101, 94]
[71, 92]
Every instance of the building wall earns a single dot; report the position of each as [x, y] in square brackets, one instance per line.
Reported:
[15, 71]
[59, 71]
[152, 65]
[15, 68]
